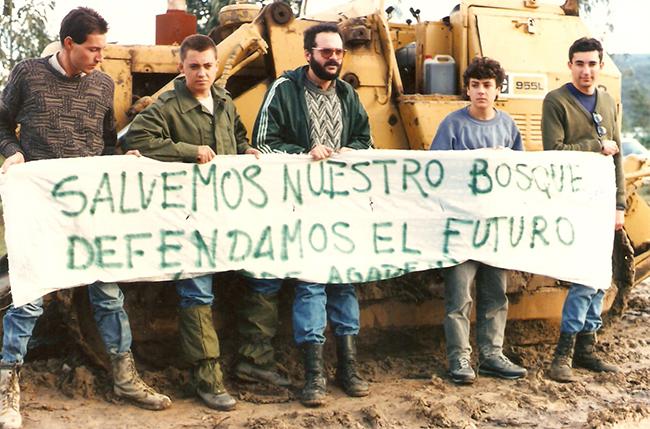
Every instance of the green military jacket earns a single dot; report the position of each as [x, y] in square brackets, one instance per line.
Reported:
[173, 128]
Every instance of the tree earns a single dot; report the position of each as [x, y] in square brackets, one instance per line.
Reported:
[24, 33]
[205, 17]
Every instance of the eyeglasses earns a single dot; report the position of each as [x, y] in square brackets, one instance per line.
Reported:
[328, 52]
[598, 120]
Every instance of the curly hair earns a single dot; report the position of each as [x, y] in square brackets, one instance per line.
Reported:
[484, 68]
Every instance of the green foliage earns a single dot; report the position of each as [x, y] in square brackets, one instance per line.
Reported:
[203, 9]
[218, 4]
[635, 72]
[24, 33]
[645, 140]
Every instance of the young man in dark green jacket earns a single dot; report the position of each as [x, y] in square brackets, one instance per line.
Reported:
[167, 131]
[580, 116]
[307, 110]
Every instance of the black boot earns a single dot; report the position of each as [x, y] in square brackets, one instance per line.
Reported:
[315, 390]
[347, 375]
[561, 365]
[586, 357]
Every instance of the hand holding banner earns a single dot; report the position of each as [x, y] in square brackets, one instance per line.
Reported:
[361, 216]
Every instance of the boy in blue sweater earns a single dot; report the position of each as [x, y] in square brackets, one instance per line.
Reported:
[478, 126]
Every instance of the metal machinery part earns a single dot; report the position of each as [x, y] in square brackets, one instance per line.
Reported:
[281, 13]
[232, 17]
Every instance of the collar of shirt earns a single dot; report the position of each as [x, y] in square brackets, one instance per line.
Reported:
[54, 62]
[208, 103]
[311, 86]
[187, 101]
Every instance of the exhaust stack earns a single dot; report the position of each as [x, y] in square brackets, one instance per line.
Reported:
[175, 25]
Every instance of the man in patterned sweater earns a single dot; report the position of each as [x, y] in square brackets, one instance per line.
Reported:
[65, 109]
[307, 110]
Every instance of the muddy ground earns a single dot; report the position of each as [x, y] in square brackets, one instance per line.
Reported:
[409, 385]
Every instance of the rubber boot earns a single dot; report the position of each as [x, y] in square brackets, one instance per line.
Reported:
[561, 366]
[257, 325]
[586, 357]
[200, 347]
[314, 392]
[10, 417]
[347, 375]
[127, 384]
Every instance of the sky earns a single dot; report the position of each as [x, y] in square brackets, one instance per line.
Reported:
[133, 21]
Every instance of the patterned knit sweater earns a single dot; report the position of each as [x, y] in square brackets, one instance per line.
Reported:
[324, 109]
[59, 116]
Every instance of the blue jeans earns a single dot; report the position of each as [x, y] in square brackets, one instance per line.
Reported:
[491, 309]
[112, 321]
[315, 303]
[195, 291]
[581, 310]
[264, 286]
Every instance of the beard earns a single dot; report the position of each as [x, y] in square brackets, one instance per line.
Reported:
[321, 72]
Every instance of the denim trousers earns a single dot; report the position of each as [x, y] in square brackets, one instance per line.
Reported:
[581, 310]
[195, 291]
[491, 309]
[314, 304]
[264, 286]
[107, 302]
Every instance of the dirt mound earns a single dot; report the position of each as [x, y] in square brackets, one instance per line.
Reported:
[409, 389]
[617, 413]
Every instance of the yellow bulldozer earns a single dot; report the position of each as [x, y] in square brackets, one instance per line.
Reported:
[409, 77]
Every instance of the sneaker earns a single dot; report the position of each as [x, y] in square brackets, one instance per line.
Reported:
[461, 371]
[500, 366]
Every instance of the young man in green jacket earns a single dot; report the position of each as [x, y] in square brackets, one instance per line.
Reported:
[307, 110]
[580, 116]
[167, 131]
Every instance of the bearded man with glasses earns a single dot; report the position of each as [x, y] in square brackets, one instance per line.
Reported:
[307, 110]
[580, 116]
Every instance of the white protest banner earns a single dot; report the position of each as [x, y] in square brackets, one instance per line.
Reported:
[360, 216]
